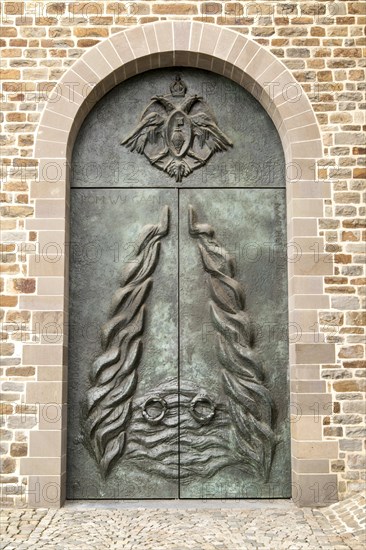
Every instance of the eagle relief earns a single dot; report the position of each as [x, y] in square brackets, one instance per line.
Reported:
[177, 134]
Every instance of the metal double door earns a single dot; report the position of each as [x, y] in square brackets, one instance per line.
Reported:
[178, 347]
[178, 353]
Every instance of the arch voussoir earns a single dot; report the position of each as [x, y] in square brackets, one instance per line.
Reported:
[185, 43]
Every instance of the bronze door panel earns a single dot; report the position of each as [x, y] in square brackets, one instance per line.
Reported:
[128, 139]
[211, 421]
[123, 345]
[233, 343]
[178, 341]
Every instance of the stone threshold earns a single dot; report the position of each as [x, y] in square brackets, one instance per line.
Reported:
[181, 504]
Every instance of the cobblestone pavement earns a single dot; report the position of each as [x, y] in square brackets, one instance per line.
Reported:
[348, 516]
[90, 527]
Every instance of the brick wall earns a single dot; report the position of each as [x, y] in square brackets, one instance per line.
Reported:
[321, 43]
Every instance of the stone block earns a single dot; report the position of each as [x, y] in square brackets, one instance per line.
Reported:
[315, 490]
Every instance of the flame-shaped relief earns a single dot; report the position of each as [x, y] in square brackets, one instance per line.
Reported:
[249, 402]
[108, 405]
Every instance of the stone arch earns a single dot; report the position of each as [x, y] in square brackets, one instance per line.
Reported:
[228, 53]
[179, 43]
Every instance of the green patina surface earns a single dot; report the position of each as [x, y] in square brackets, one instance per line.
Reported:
[179, 456]
[255, 160]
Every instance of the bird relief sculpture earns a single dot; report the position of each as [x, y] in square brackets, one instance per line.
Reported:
[177, 134]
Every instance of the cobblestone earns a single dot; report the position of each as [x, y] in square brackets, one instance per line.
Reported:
[258, 526]
[348, 517]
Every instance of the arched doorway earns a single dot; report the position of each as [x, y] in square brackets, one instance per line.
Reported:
[225, 52]
[178, 351]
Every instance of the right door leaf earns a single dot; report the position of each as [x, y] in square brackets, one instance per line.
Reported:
[233, 325]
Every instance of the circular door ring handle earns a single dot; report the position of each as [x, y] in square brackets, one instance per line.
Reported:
[152, 401]
[202, 418]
